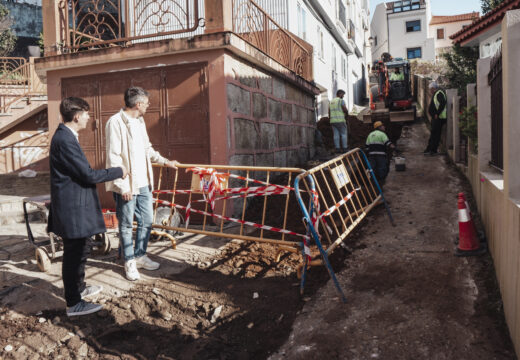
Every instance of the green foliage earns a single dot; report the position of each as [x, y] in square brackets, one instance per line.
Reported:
[461, 67]
[468, 124]
[41, 43]
[488, 5]
[7, 37]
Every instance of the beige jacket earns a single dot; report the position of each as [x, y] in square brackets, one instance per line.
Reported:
[120, 151]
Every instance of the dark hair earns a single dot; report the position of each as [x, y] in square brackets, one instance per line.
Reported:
[134, 95]
[70, 106]
[340, 92]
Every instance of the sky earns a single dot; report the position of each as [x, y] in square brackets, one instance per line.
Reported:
[443, 7]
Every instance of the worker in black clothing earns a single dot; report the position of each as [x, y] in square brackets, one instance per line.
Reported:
[437, 111]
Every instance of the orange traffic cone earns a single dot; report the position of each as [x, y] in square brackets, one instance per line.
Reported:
[469, 244]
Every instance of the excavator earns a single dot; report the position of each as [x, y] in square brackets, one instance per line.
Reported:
[391, 95]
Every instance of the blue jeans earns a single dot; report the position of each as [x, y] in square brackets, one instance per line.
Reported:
[340, 131]
[141, 206]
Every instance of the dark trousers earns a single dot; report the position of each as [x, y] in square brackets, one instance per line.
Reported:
[379, 164]
[75, 253]
[435, 136]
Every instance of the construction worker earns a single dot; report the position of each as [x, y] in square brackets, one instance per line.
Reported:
[397, 75]
[337, 114]
[378, 144]
[437, 111]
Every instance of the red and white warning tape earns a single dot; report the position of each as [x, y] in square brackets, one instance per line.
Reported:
[248, 223]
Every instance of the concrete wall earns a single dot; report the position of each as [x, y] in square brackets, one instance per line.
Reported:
[269, 121]
[449, 29]
[498, 194]
[379, 29]
[25, 146]
[400, 40]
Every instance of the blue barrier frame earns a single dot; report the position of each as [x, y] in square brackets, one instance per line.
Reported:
[312, 232]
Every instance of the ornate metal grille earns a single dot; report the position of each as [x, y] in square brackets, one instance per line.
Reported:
[102, 23]
[495, 81]
[255, 26]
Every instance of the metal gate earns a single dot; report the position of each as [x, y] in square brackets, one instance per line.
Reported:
[495, 82]
[342, 190]
[177, 119]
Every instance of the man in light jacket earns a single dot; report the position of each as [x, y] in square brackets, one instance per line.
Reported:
[127, 144]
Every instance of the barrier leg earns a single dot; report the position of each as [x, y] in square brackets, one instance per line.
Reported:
[369, 167]
[316, 237]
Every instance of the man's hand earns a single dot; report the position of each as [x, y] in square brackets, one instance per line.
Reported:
[125, 172]
[172, 164]
[127, 196]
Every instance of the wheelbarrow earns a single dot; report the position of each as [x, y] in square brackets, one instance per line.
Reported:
[49, 249]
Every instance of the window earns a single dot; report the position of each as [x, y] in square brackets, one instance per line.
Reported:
[342, 13]
[320, 43]
[414, 53]
[440, 34]
[375, 41]
[302, 26]
[343, 67]
[412, 26]
[406, 5]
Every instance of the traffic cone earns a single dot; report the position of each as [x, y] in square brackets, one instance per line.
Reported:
[469, 244]
[463, 197]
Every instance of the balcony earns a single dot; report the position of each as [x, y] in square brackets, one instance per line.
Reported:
[82, 25]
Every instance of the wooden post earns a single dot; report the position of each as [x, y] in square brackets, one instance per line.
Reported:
[51, 27]
[219, 16]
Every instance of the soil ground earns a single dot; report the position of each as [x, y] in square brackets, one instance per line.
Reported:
[408, 296]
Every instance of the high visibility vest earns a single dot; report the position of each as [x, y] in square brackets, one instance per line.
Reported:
[437, 103]
[336, 111]
[377, 142]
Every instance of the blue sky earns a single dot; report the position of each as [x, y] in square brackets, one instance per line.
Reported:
[443, 7]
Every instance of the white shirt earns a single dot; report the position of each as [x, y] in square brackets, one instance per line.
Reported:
[141, 174]
[74, 132]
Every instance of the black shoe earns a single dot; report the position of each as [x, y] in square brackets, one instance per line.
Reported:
[434, 153]
[426, 152]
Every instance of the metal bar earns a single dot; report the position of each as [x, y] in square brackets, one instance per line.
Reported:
[265, 204]
[317, 238]
[286, 207]
[228, 236]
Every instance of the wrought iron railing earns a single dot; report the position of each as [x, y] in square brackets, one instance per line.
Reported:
[17, 81]
[495, 82]
[255, 26]
[102, 23]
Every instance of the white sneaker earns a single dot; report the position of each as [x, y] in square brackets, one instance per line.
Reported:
[131, 270]
[144, 262]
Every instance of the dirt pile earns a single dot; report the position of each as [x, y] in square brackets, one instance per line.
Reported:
[357, 132]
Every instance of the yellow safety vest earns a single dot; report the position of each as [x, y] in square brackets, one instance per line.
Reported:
[437, 103]
[336, 111]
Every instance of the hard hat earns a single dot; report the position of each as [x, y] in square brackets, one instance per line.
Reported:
[377, 124]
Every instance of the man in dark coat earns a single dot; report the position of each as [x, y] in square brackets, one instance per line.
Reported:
[75, 212]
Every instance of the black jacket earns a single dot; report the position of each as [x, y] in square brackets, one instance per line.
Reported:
[75, 210]
[432, 110]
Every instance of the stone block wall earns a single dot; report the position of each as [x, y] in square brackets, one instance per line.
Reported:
[270, 122]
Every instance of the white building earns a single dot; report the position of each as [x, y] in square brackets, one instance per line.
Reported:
[338, 30]
[442, 27]
[401, 28]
